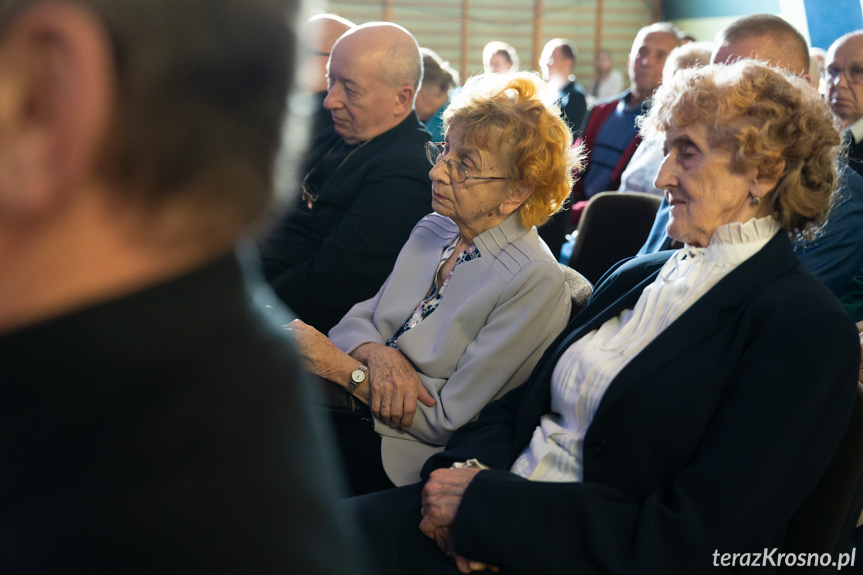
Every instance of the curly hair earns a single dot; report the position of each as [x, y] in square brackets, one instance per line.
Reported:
[507, 113]
[769, 121]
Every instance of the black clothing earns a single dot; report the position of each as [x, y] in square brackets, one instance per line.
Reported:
[337, 249]
[166, 431]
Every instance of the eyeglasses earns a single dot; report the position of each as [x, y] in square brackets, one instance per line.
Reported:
[457, 171]
[853, 74]
[309, 194]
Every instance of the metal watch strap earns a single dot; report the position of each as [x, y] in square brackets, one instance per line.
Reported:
[354, 384]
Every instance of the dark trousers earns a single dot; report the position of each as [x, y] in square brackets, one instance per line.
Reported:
[390, 522]
[360, 447]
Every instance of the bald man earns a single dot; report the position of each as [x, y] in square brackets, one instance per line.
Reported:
[318, 36]
[844, 78]
[835, 256]
[610, 134]
[365, 184]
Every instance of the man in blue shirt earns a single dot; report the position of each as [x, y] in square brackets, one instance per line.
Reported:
[611, 135]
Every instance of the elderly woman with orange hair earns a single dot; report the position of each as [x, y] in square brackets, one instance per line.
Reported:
[694, 404]
[475, 296]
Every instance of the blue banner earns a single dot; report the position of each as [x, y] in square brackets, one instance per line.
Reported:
[829, 20]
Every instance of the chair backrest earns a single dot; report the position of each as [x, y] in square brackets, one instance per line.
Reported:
[826, 520]
[579, 289]
[614, 226]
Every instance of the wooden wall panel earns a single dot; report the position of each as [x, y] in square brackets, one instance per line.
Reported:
[526, 24]
[577, 22]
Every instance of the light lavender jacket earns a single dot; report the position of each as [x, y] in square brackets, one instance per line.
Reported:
[499, 313]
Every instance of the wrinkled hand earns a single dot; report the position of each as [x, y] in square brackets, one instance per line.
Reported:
[441, 497]
[319, 355]
[395, 387]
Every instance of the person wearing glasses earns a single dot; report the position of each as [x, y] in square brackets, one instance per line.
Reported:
[844, 77]
[696, 401]
[475, 296]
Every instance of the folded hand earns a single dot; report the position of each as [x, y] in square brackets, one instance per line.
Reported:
[441, 497]
[395, 386]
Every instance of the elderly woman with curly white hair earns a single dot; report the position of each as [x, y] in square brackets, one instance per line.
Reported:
[695, 402]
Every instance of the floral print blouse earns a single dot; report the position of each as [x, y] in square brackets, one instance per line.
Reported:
[435, 295]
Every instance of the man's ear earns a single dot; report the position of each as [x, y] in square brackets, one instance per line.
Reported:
[404, 100]
[56, 99]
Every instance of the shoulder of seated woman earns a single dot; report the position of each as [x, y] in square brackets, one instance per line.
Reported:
[436, 226]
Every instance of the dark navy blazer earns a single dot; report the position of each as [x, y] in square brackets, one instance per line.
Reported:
[709, 439]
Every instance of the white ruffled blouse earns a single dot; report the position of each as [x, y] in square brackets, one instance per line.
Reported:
[588, 367]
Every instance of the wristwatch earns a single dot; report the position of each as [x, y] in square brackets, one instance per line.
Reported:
[357, 377]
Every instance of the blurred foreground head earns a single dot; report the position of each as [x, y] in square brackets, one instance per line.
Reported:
[159, 104]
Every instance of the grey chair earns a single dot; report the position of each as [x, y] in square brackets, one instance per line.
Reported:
[579, 289]
[613, 226]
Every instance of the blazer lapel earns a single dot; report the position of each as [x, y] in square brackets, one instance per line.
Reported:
[704, 318]
[607, 304]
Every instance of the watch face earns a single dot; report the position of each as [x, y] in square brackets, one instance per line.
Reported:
[358, 376]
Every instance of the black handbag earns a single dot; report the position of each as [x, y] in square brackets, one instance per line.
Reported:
[342, 405]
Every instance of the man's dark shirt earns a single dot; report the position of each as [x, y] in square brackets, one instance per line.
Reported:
[573, 106]
[337, 246]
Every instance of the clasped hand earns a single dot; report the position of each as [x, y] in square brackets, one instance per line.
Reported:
[441, 497]
[395, 386]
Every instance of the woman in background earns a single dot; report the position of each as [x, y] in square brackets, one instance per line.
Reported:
[439, 80]
[475, 296]
[499, 57]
